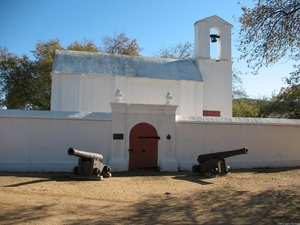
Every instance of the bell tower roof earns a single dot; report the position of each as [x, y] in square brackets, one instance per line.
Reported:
[214, 17]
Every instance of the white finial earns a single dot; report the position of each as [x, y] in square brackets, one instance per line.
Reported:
[118, 95]
[169, 98]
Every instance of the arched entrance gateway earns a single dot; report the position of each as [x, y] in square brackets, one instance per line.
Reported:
[143, 147]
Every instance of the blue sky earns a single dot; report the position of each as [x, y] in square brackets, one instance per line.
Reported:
[154, 23]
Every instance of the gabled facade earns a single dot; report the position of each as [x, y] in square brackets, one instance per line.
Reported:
[88, 81]
[84, 81]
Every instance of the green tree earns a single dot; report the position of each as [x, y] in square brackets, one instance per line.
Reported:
[17, 76]
[3, 57]
[120, 44]
[242, 108]
[44, 53]
[86, 46]
[245, 107]
[286, 104]
[26, 83]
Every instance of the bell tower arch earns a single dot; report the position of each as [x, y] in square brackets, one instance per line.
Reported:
[204, 38]
[215, 45]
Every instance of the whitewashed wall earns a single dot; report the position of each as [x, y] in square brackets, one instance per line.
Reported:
[38, 141]
[72, 92]
[216, 73]
[217, 88]
[271, 142]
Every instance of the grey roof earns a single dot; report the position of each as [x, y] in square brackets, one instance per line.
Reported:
[75, 62]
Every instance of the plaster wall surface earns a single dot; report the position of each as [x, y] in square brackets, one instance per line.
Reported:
[161, 117]
[73, 92]
[271, 142]
[38, 141]
[217, 75]
[78, 92]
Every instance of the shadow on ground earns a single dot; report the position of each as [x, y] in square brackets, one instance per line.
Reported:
[41, 177]
[217, 205]
[180, 175]
[20, 215]
[204, 207]
[265, 170]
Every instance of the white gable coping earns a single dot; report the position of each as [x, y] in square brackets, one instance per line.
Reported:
[214, 17]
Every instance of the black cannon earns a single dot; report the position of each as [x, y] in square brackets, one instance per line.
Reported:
[215, 163]
[90, 165]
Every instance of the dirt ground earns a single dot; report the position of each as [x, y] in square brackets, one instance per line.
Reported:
[258, 196]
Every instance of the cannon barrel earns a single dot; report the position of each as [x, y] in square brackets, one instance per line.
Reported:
[86, 155]
[221, 155]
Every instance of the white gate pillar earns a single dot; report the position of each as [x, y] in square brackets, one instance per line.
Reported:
[118, 160]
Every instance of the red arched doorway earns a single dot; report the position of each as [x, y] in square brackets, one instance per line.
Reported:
[143, 147]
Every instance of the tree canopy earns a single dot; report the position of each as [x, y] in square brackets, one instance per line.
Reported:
[270, 32]
[86, 46]
[17, 80]
[26, 83]
[287, 103]
[179, 51]
[120, 44]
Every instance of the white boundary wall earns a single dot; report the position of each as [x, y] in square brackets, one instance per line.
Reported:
[271, 142]
[39, 140]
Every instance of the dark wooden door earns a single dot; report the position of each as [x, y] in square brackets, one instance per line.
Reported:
[143, 147]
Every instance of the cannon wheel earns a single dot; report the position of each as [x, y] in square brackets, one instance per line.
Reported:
[75, 170]
[106, 175]
[106, 169]
[214, 170]
[228, 169]
[196, 169]
[96, 171]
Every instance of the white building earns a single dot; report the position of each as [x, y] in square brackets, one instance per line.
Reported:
[83, 81]
[141, 112]
[153, 90]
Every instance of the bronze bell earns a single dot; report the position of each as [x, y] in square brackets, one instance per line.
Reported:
[213, 38]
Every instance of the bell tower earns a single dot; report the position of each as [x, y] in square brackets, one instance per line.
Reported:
[214, 33]
[204, 38]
